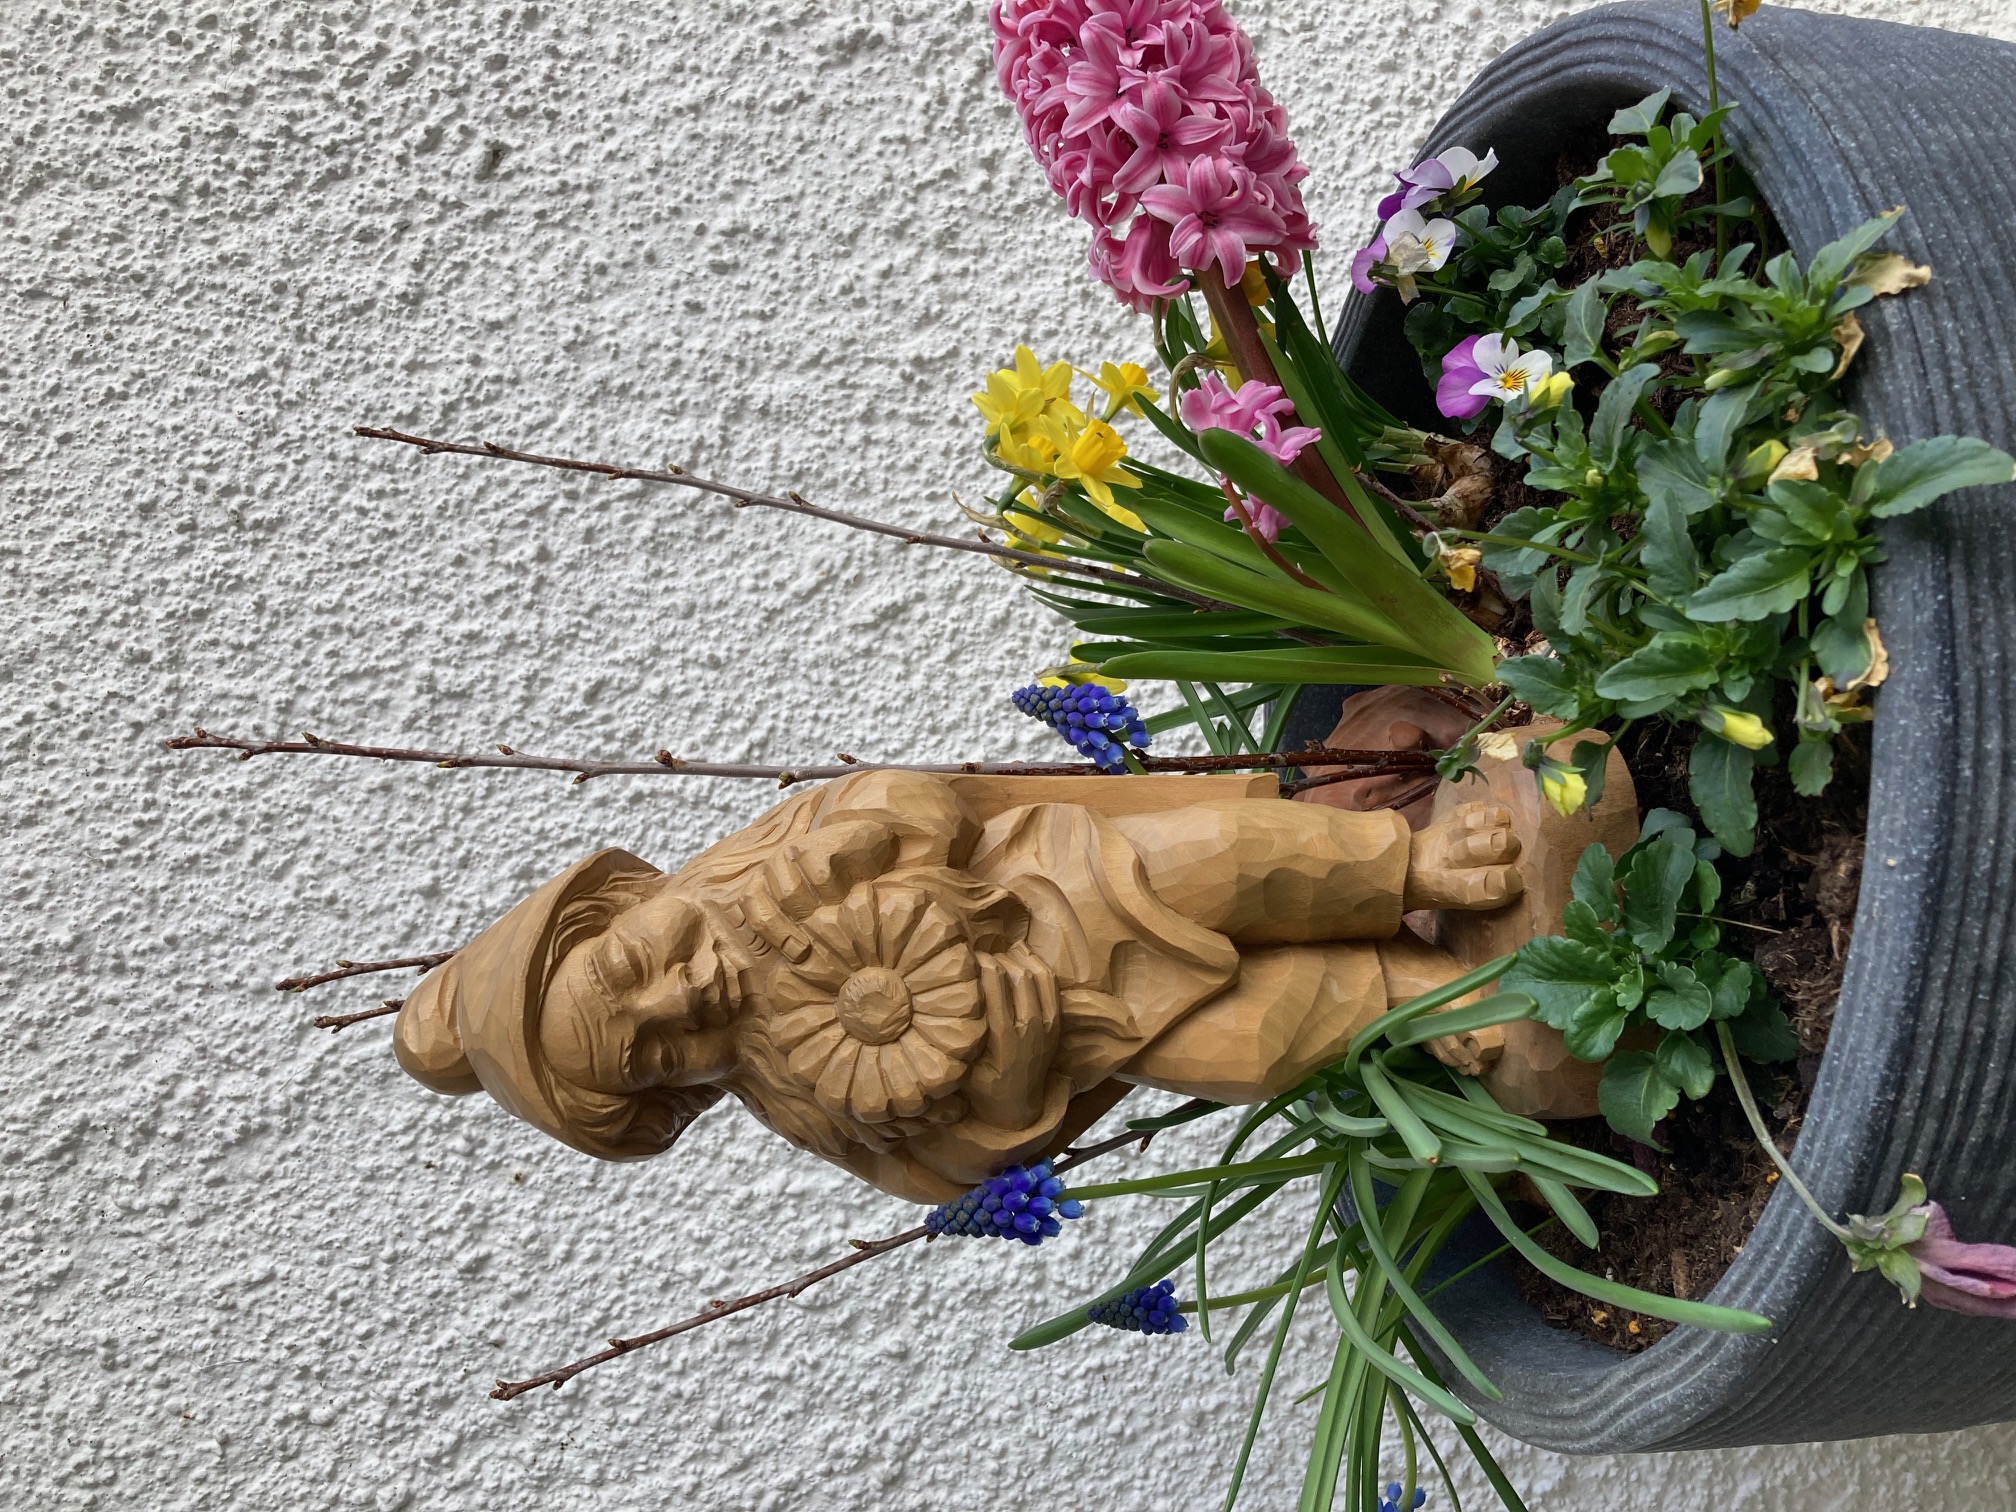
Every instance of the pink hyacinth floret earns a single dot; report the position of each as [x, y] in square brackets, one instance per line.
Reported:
[1253, 410]
[1149, 120]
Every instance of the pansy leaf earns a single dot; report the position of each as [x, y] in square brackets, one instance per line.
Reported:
[1673, 662]
[1718, 780]
[1593, 1028]
[1584, 583]
[1653, 882]
[1679, 176]
[1680, 1001]
[1613, 412]
[1560, 975]
[1759, 585]
[1926, 470]
[1595, 883]
[1633, 1096]
[1581, 924]
[1811, 764]
[1671, 473]
[1636, 120]
[1707, 332]
[1764, 1034]
[1834, 259]
[1666, 550]
[1684, 1061]
[1543, 683]
[1732, 990]
[1721, 416]
[1582, 325]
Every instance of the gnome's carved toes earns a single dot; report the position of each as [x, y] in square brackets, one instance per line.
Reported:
[1465, 861]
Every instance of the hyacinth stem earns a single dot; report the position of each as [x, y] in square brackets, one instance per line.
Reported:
[1241, 330]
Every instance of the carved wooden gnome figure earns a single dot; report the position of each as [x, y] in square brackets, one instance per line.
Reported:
[926, 978]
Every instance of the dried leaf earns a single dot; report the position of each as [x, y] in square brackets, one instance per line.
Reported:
[1872, 451]
[1460, 563]
[1801, 464]
[1847, 335]
[1499, 745]
[1736, 12]
[1888, 273]
[1879, 661]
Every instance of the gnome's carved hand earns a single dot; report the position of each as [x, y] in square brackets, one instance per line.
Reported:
[1464, 861]
[1006, 1085]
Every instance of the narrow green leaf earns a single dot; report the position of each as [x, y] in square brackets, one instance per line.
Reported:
[1197, 569]
[1699, 1314]
[1371, 665]
[1500, 1008]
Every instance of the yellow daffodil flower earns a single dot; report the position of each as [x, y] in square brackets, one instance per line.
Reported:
[1125, 385]
[1253, 284]
[1091, 459]
[1069, 675]
[1745, 730]
[1564, 790]
[1018, 396]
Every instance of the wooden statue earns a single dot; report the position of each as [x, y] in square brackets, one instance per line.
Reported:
[925, 978]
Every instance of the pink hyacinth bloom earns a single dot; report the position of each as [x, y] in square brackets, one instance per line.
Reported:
[1977, 1279]
[1165, 133]
[1121, 100]
[1254, 411]
[1268, 522]
[1455, 394]
[1216, 215]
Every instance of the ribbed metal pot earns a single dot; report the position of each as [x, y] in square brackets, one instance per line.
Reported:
[1838, 119]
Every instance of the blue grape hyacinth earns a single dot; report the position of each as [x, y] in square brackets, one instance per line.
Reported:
[1390, 1502]
[1146, 1309]
[1098, 722]
[1023, 1202]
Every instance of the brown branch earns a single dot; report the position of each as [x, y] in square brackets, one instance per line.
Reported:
[422, 963]
[1398, 505]
[796, 503]
[345, 1020]
[864, 1249]
[666, 764]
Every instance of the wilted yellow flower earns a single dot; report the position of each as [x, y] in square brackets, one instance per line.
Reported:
[1564, 790]
[1499, 745]
[1736, 12]
[1745, 730]
[1460, 565]
[1800, 464]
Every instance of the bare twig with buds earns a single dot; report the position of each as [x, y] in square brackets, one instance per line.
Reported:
[1365, 763]
[863, 1249]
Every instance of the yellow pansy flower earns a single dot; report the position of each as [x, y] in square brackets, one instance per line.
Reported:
[1550, 393]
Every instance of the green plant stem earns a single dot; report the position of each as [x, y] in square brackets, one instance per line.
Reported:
[1715, 104]
[1748, 1099]
[1517, 544]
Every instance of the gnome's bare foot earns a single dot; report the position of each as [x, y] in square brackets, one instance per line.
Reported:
[1464, 861]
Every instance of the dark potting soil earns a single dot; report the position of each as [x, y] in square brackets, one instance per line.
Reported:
[1791, 907]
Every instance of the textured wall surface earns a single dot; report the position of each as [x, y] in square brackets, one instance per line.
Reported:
[245, 1264]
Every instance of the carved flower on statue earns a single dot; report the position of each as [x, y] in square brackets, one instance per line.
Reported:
[885, 1012]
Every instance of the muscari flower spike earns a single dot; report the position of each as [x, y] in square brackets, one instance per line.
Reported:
[1391, 1502]
[1146, 1309]
[1023, 1202]
[1093, 719]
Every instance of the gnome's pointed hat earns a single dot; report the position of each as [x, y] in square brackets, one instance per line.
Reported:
[473, 1024]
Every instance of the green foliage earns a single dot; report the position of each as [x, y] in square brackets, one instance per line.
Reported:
[1650, 180]
[1396, 1150]
[1637, 980]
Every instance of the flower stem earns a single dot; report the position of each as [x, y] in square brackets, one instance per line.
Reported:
[1714, 104]
[1748, 1099]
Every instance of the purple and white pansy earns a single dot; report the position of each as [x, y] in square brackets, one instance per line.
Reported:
[1480, 369]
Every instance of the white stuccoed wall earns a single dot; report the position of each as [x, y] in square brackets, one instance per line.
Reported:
[246, 1265]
